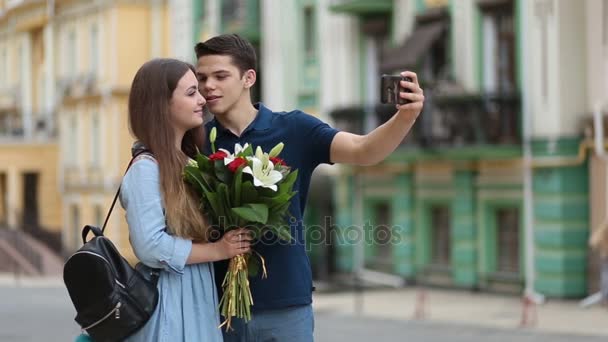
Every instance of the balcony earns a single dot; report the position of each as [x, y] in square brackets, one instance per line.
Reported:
[9, 99]
[11, 126]
[80, 178]
[72, 178]
[447, 121]
[77, 86]
[474, 119]
[95, 177]
[241, 17]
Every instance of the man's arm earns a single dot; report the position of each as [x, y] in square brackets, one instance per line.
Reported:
[375, 146]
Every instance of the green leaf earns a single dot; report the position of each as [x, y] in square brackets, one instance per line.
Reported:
[275, 200]
[221, 171]
[287, 184]
[280, 209]
[223, 194]
[284, 233]
[252, 212]
[236, 187]
[213, 202]
[246, 152]
[253, 267]
[194, 177]
[249, 194]
[204, 163]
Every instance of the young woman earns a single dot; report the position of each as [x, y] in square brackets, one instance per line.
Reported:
[167, 229]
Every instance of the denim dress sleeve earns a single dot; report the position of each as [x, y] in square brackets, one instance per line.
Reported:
[140, 196]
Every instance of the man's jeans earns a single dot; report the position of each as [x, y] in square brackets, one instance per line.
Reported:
[294, 324]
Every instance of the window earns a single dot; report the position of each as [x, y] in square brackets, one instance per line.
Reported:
[234, 14]
[382, 233]
[71, 65]
[73, 140]
[4, 67]
[95, 140]
[499, 50]
[94, 48]
[99, 216]
[308, 28]
[441, 237]
[507, 240]
[75, 225]
[31, 181]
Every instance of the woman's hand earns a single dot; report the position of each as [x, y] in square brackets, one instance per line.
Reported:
[233, 243]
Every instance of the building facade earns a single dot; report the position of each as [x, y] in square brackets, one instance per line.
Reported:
[491, 190]
[30, 199]
[498, 185]
[65, 71]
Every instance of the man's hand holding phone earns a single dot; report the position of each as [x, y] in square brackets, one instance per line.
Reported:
[404, 91]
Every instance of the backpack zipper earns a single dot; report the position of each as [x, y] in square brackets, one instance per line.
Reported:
[104, 259]
[115, 311]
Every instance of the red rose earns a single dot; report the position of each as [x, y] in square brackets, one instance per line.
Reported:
[235, 164]
[277, 161]
[219, 155]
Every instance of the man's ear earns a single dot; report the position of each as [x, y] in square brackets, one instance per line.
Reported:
[250, 78]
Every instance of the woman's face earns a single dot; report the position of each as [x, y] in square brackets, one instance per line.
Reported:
[186, 105]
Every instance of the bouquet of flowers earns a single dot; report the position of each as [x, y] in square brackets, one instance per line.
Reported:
[243, 189]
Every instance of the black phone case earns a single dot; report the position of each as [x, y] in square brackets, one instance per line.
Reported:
[390, 89]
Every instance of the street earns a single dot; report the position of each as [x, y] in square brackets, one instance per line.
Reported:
[31, 314]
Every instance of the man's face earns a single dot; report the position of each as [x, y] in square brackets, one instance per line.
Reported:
[220, 82]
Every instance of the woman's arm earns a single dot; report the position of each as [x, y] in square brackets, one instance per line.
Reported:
[141, 197]
[233, 243]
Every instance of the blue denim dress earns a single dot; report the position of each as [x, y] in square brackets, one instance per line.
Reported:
[188, 304]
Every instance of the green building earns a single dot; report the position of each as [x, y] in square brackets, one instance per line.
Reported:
[491, 190]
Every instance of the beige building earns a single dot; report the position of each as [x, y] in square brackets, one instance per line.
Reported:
[63, 106]
[29, 192]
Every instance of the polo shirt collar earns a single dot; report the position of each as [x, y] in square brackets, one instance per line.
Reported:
[262, 121]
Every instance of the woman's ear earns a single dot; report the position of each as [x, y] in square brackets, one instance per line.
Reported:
[250, 78]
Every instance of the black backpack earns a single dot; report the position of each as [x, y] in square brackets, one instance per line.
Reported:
[112, 299]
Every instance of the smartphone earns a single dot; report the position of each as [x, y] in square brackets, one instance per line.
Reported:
[390, 89]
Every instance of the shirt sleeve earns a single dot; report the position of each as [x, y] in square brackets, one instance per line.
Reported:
[141, 198]
[316, 137]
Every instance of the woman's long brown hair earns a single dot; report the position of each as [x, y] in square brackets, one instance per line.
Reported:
[149, 121]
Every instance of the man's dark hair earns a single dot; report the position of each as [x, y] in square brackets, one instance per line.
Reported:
[240, 49]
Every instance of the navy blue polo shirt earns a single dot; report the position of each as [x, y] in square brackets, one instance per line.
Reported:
[307, 144]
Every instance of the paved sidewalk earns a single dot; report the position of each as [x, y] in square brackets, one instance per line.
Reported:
[467, 308]
[449, 307]
[10, 280]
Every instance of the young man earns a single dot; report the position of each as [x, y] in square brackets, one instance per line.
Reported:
[226, 69]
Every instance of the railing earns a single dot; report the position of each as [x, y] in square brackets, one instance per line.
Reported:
[9, 97]
[16, 239]
[71, 177]
[464, 120]
[447, 121]
[45, 236]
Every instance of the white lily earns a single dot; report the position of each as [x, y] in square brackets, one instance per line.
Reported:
[263, 157]
[192, 162]
[265, 177]
[276, 150]
[230, 156]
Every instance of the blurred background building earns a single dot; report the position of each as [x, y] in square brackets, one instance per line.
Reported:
[496, 188]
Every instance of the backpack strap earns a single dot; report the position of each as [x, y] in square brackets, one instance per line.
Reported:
[105, 222]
